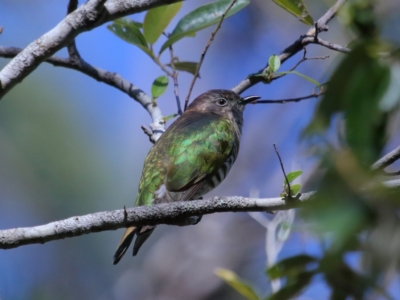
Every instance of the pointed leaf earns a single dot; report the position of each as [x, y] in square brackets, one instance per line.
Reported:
[290, 266]
[129, 31]
[283, 231]
[202, 17]
[137, 24]
[167, 118]
[293, 175]
[295, 188]
[294, 287]
[391, 98]
[187, 66]
[274, 63]
[301, 75]
[159, 86]
[236, 283]
[296, 8]
[356, 89]
[157, 19]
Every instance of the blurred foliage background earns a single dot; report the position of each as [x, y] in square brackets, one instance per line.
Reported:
[72, 146]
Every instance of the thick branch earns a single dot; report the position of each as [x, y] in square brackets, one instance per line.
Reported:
[111, 78]
[297, 46]
[387, 160]
[169, 213]
[75, 62]
[88, 16]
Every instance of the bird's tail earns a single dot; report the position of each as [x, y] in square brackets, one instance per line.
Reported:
[142, 233]
[124, 244]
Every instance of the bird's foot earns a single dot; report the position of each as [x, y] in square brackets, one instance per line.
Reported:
[193, 220]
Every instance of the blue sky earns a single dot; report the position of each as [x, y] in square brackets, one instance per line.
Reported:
[73, 146]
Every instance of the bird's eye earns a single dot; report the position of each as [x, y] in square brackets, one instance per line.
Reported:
[221, 102]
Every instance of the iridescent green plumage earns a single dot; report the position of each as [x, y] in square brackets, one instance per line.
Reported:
[191, 150]
[191, 158]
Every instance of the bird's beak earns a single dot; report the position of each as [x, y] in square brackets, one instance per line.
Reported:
[248, 99]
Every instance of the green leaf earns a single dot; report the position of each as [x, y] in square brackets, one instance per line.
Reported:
[296, 8]
[293, 175]
[187, 66]
[356, 89]
[202, 17]
[137, 24]
[129, 31]
[236, 283]
[299, 74]
[293, 287]
[274, 63]
[295, 188]
[159, 86]
[167, 118]
[290, 267]
[283, 231]
[391, 97]
[336, 197]
[157, 19]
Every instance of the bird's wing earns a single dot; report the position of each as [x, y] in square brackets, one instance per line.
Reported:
[198, 151]
[188, 153]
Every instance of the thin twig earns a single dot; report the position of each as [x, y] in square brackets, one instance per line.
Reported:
[391, 173]
[329, 45]
[305, 58]
[283, 101]
[162, 66]
[306, 40]
[284, 173]
[203, 54]
[387, 160]
[294, 48]
[148, 133]
[175, 78]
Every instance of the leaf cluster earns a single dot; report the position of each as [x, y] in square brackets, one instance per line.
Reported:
[145, 35]
[352, 211]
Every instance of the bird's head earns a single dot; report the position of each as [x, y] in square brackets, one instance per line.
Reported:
[220, 102]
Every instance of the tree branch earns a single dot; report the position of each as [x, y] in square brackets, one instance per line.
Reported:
[387, 160]
[297, 99]
[329, 45]
[297, 46]
[174, 213]
[166, 213]
[88, 16]
[75, 62]
[93, 14]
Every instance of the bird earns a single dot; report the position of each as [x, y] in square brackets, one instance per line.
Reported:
[191, 157]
